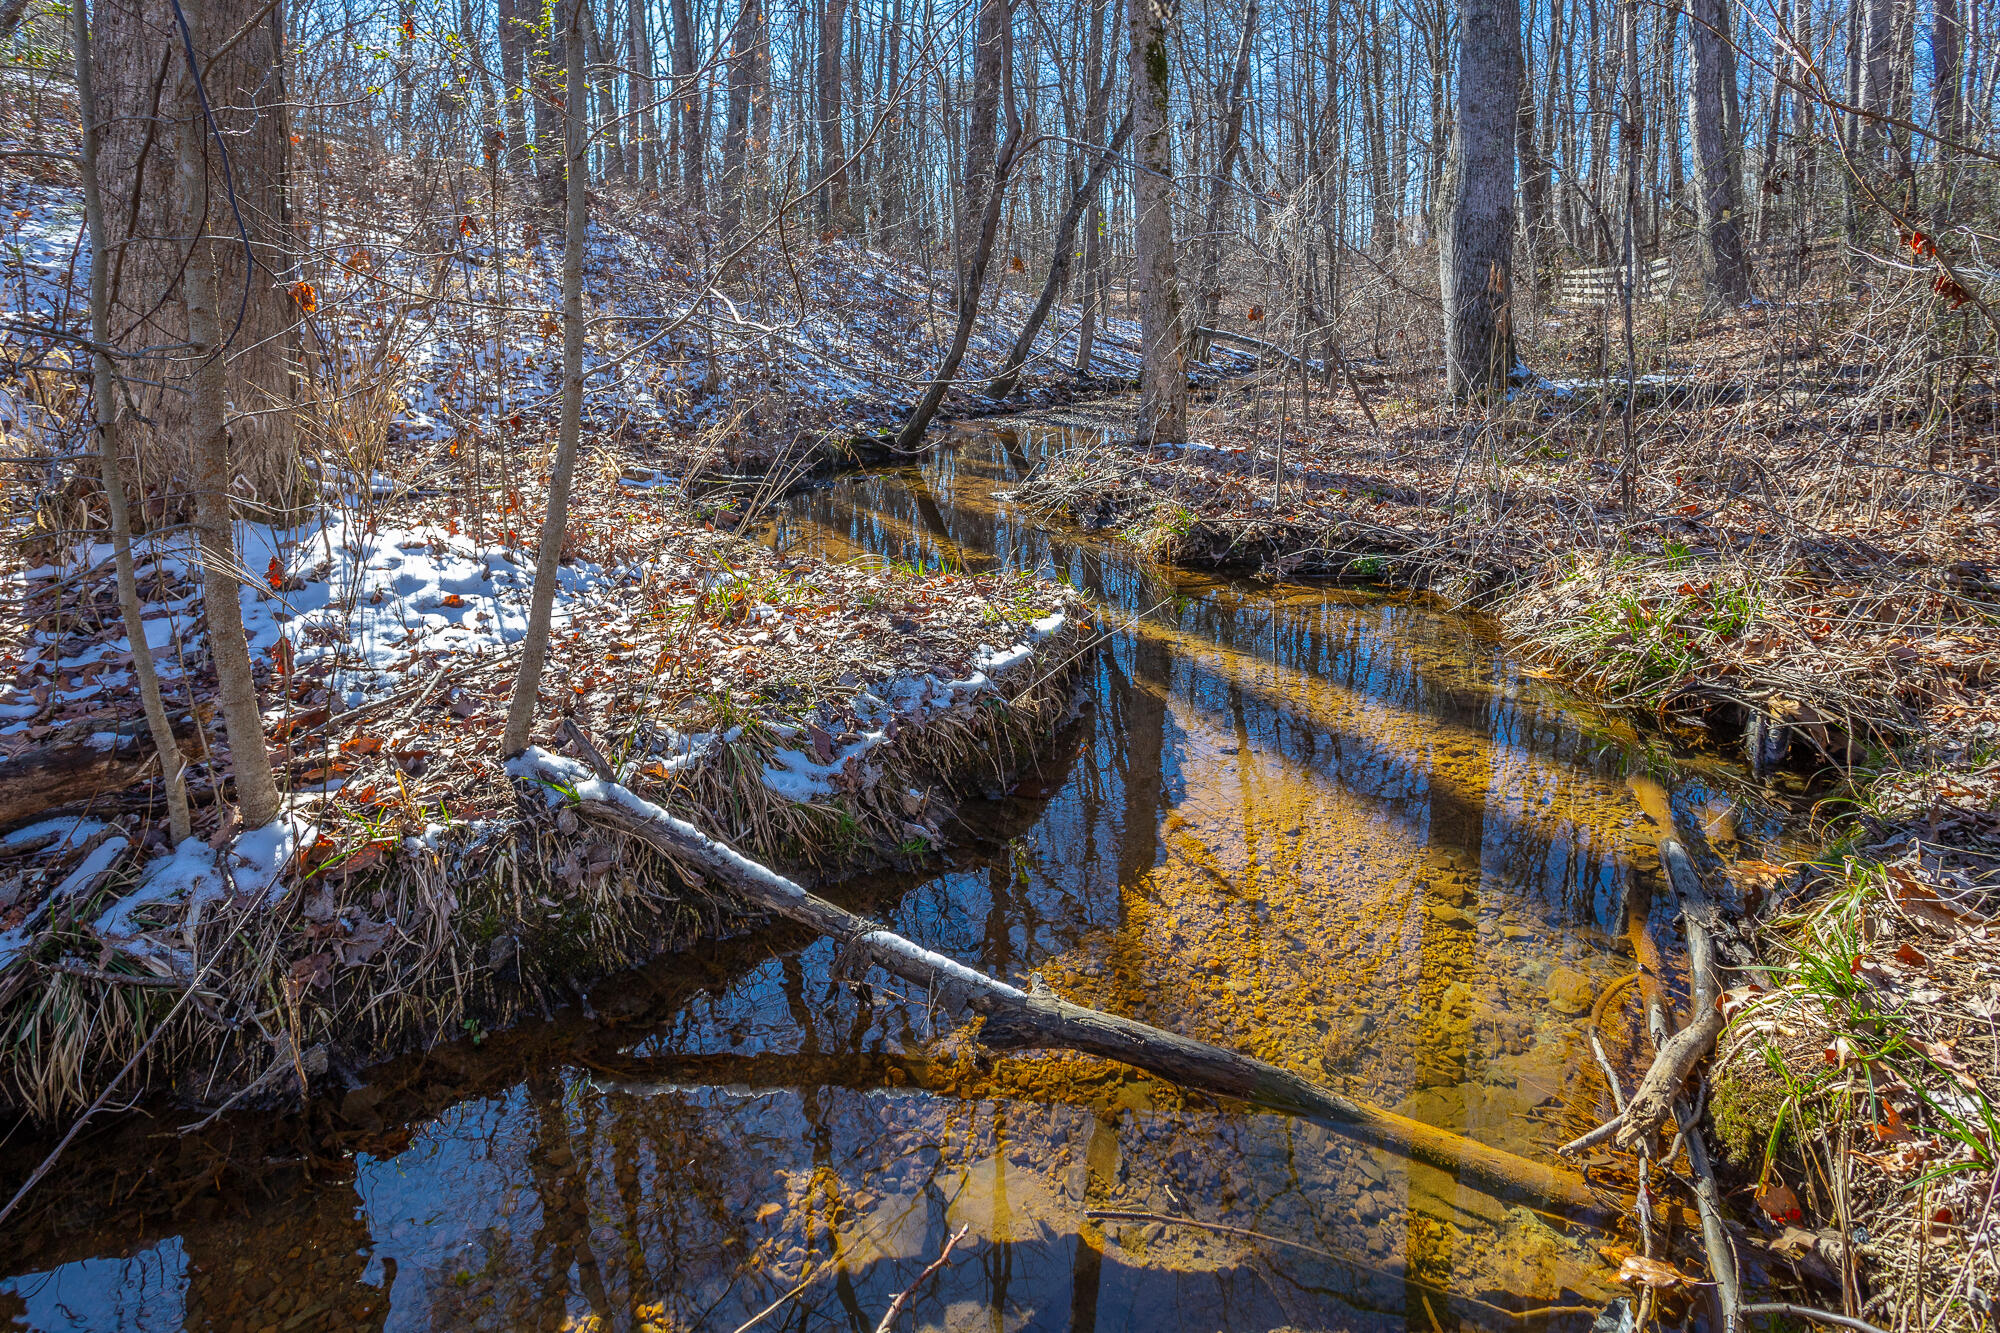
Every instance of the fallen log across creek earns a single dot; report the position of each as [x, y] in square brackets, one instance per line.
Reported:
[1017, 1019]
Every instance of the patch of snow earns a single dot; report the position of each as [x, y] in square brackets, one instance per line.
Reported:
[188, 874]
[70, 832]
[258, 858]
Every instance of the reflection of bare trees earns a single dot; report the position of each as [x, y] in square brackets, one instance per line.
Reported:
[741, 1118]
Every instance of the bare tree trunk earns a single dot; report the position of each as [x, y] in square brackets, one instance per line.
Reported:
[1535, 180]
[1477, 228]
[688, 98]
[534, 647]
[105, 397]
[475, 50]
[1163, 391]
[236, 685]
[1715, 175]
[1947, 47]
[746, 44]
[611, 158]
[833, 203]
[10, 17]
[514, 38]
[1064, 248]
[545, 56]
[1387, 205]
[893, 194]
[641, 160]
[1208, 294]
[1099, 72]
[990, 72]
[1877, 47]
[137, 51]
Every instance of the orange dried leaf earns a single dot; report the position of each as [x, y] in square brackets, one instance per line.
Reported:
[306, 295]
[1779, 1203]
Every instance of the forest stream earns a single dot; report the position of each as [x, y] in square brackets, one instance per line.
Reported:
[1344, 831]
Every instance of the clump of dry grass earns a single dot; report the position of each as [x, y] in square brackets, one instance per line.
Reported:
[1856, 1084]
[395, 932]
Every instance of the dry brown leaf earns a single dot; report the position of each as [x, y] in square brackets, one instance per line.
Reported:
[1779, 1203]
[1638, 1270]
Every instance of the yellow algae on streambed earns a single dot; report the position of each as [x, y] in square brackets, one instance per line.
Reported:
[1340, 832]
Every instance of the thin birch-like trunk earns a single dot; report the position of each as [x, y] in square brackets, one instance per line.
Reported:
[541, 606]
[236, 684]
[104, 396]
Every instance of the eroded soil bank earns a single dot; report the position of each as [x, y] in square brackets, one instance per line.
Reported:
[1345, 832]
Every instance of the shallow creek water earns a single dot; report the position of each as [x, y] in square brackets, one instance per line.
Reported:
[1342, 831]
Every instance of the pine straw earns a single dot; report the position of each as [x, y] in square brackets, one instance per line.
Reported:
[390, 939]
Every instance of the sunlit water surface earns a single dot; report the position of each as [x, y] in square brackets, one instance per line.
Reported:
[1344, 832]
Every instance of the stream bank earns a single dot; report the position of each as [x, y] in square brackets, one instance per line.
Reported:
[825, 718]
[1346, 833]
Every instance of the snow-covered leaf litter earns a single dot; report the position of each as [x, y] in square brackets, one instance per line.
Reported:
[368, 595]
[904, 700]
[378, 640]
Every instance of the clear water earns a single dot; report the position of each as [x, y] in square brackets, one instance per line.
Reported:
[1342, 831]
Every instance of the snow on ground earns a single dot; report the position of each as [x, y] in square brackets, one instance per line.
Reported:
[366, 605]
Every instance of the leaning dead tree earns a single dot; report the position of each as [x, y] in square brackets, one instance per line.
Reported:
[1016, 1019]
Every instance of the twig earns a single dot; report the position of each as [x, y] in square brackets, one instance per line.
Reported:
[1644, 1198]
[902, 1297]
[1714, 1234]
[772, 1308]
[1807, 1312]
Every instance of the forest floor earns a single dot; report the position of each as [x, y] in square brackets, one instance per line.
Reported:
[823, 717]
[1805, 562]
[1804, 554]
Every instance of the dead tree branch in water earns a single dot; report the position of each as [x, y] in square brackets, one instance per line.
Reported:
[1017, 1019]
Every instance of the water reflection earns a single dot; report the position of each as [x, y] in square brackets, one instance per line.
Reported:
[1343, 832]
